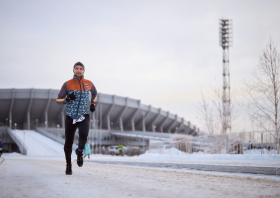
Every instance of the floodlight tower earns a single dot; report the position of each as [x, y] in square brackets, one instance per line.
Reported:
[226, 42]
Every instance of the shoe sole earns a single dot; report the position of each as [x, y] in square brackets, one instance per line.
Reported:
[68, 173]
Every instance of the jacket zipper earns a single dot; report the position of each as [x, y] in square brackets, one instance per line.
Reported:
[80, 98]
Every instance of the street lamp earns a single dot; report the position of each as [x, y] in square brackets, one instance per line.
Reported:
[6, 121]
[46, 125]
[143, 124]
[23, 137]
[36, 122]
[154, 128]
[15, 125]
[176, 129]
[58, 130]
[112, 124]
[96, 135]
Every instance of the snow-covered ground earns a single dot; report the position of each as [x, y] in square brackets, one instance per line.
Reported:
[39, 145]
[41, 174]
[22, 177]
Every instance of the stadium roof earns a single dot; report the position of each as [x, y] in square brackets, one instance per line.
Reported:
[28, 108]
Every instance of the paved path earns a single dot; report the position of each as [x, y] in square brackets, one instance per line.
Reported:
[27, 177]
[192, 160]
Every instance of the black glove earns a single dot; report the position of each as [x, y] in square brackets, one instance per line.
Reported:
[92, 107]
[71, 97]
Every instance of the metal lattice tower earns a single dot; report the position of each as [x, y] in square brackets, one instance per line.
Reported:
[226, 42]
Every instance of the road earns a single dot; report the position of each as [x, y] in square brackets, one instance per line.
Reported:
[20, 177]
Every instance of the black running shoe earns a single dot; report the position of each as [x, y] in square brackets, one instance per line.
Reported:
[80, 160]
[68, 169]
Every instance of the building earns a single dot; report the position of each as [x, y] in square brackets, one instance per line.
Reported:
[114, 115]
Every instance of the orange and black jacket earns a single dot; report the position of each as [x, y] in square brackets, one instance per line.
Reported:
[82, 89]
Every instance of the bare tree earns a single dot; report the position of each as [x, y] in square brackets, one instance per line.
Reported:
[211, 115]
[211, 112]
[263, 91]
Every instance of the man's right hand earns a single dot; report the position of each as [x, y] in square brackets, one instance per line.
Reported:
[71, 97]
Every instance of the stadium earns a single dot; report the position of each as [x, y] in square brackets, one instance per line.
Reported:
[116, 119]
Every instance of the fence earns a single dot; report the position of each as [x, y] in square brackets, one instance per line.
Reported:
[257, 142]
[178, 147]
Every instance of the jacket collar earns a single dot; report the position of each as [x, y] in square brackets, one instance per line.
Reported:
[78, 78]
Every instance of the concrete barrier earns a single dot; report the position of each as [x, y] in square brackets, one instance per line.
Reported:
[259, 170]
[22, 147]
[229, 169]
[1, 160]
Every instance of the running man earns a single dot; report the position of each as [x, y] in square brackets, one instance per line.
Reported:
[76, 93]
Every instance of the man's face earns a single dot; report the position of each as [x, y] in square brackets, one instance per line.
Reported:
[79, 71]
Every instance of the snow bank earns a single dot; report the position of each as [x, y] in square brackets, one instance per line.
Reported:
[12, 154]
[39, 145]
[174, 153]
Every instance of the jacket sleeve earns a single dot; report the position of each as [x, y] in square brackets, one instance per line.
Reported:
[61, 95]
[93, 94]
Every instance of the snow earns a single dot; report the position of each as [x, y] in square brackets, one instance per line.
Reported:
[47, 149]
[12, 154]
[38, 178]
[41, 174]
[39, 145]
[174, 153]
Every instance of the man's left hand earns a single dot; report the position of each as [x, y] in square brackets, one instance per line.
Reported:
[92, 107]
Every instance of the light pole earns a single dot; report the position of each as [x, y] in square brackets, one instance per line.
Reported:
[36, 122]
[96, 135]
[143, 124]
[176, 129]
[6, 121]
[15, 125]
[112, 125]
[58, 130]
[23, 137]
[46, 125]
[155, 128]
[225, 43]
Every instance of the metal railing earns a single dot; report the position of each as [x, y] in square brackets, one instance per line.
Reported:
[54, 137]
[257, 142]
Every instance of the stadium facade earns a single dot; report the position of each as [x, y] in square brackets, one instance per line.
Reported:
[28, 108]
[114, 115]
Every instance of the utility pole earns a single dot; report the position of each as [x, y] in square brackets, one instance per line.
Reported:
[225, 43]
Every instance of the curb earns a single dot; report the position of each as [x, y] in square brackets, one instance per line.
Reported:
[2, 160]
[265, 170]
